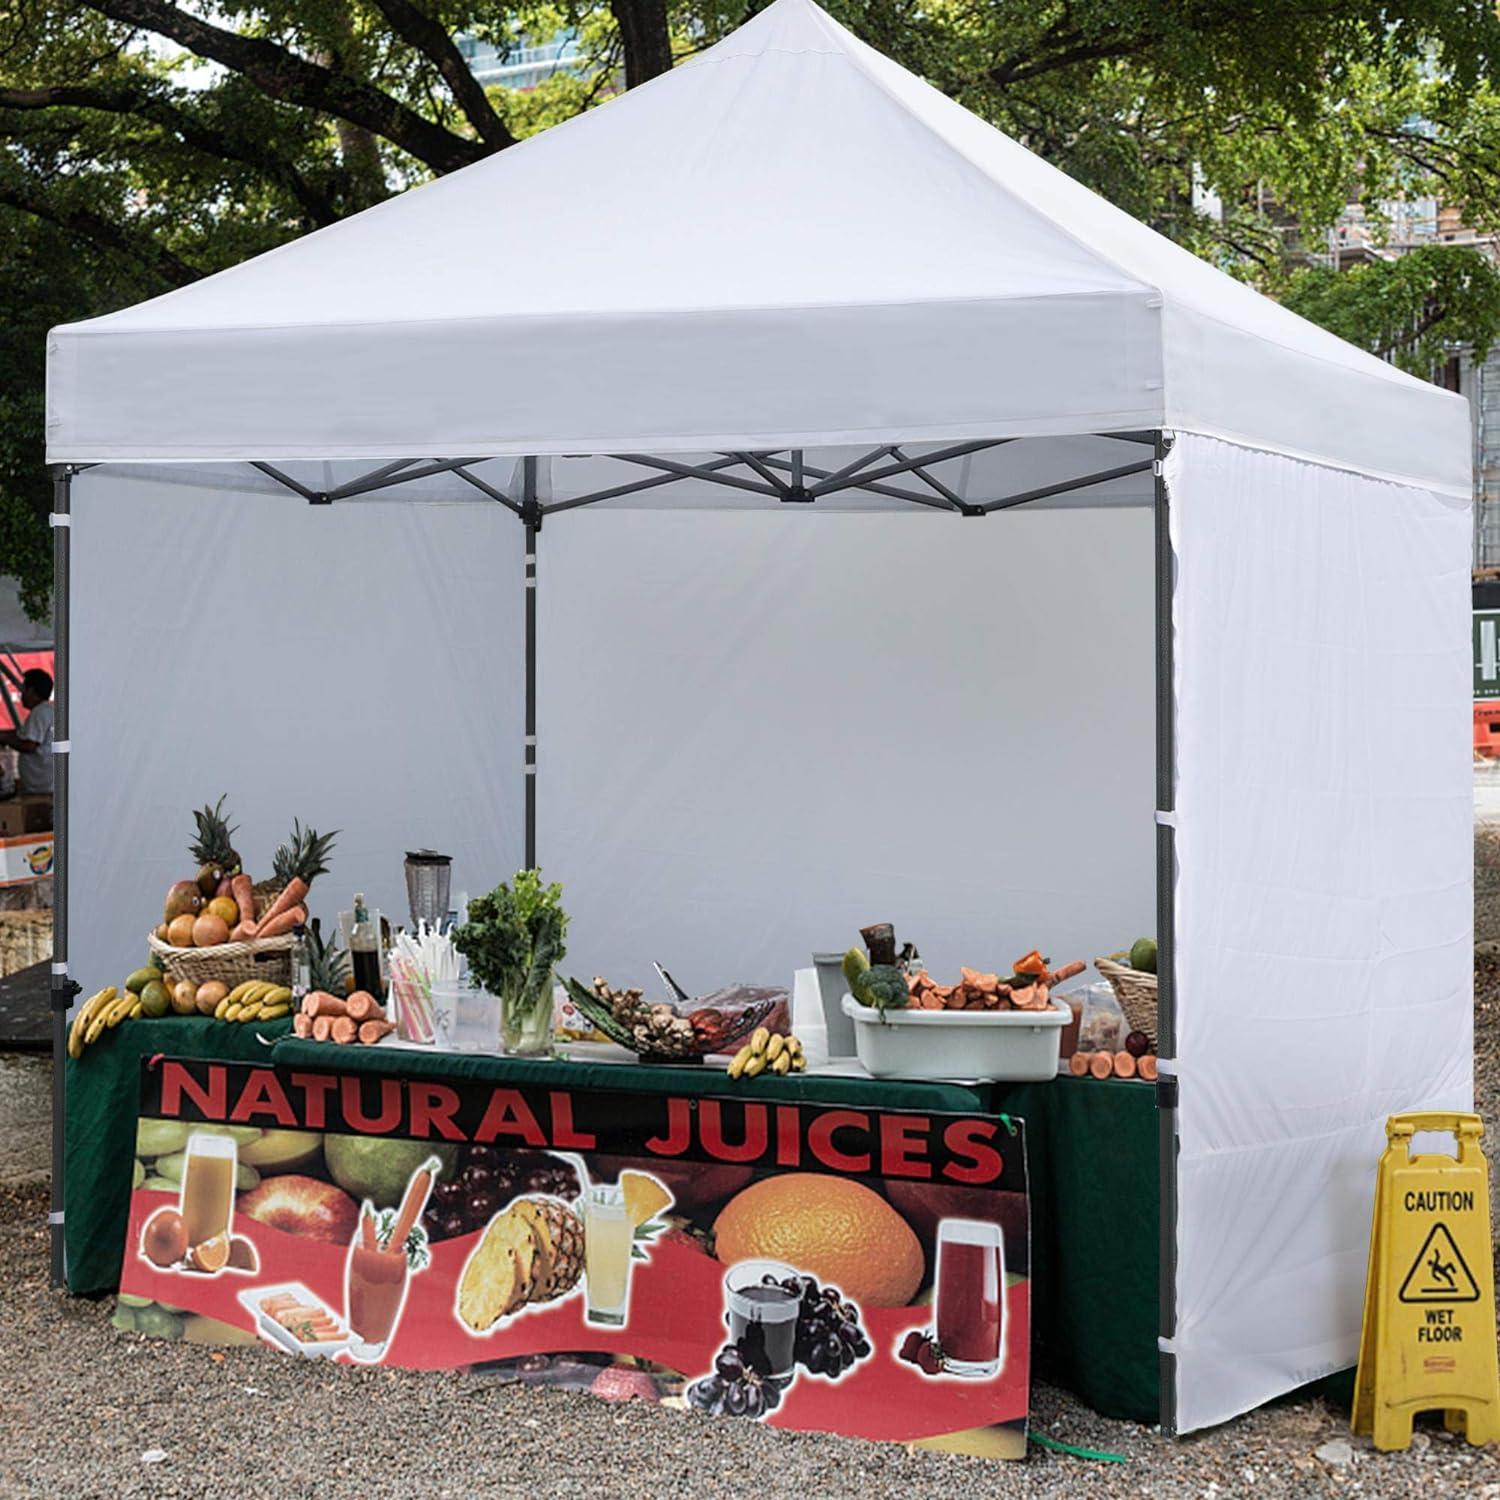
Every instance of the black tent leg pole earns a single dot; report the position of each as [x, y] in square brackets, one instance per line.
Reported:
[531, 515]
[1166, 944]
[62, 988]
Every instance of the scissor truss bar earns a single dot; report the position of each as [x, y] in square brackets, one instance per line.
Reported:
[1067, 486]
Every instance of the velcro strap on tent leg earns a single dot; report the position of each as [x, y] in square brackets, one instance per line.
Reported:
[56, 518]
[1166, 819]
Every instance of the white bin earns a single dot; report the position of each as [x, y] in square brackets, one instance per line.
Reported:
[999, 1046]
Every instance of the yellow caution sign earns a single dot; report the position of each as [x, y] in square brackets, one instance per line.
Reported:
[1429, 1332]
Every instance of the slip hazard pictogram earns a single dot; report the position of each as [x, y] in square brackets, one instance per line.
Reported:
[1439, 1273]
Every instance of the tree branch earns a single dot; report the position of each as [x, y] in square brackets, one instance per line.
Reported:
[283, 75]
[142, 247]
[140, 101]
[431, 39]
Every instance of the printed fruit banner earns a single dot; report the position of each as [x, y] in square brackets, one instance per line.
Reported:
[819, 1268]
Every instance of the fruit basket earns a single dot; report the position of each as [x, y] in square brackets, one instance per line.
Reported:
[231, 963]
[1000, 1046]
[663, 1033]
[1135, 990]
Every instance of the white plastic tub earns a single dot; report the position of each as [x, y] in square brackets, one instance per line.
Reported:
[999, 1046]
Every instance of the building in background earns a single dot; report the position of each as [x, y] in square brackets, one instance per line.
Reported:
[523, 66]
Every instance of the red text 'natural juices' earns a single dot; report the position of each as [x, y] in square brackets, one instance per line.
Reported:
[970, 1297]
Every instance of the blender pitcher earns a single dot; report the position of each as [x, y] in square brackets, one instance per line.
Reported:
[427, 877]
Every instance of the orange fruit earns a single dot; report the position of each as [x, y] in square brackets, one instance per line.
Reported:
[209, 930]
[645, 1197]
[224, 909]
[835, 1229]
[180, 931]
[211, 1255]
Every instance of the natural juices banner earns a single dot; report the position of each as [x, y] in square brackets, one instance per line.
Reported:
[818, 1268]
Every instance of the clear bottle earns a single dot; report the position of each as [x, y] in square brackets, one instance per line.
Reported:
[301, 965]
[364, 949]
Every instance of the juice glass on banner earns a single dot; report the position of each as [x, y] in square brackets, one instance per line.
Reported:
[375, 1285]
[762, 1314]
[207, 1200]
[608, 1235]
[970, 1297]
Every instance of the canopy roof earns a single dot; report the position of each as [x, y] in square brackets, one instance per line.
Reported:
[786, 242]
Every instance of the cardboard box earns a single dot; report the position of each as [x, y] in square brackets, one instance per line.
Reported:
[25, 858]
[25, 815]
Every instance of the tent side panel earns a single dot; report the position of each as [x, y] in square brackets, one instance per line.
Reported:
[1325, 895]
[758, 733]
[355, 666]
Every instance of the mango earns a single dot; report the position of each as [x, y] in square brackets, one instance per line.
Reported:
[138, 981]
[155, 1001]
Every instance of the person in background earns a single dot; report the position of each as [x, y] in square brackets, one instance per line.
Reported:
[33, 740]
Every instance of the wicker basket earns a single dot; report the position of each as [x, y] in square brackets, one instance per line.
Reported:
[1136, 992]
[269, 959]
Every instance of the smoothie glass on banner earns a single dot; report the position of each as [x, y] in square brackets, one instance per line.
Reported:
[207, 1201]
[970, 1297]
[762, 1315]
[608, 1235]
[375, 1284]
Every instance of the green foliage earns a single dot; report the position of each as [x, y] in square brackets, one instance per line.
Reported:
[514, 937]
[1411, 309]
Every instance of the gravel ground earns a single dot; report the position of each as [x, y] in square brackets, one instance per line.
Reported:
[107, 1414]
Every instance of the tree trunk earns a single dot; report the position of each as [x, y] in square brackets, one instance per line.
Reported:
[644, 37]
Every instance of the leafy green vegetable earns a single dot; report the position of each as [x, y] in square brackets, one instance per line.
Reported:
[514, 937]
[882, 987]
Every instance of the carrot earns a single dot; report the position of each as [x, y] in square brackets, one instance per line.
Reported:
[363, 1006]
[1078, 1064]
[414, 1202]
[243, 893]
[367, 1228]
[302, 1025]
[1145, 1067]
[282, 923]
[372, 1031]
[1102, 1065]
[1066, 972]
[1124, 1065]
[321, 1003]
[341, 1029]
[322, 1025]
[294, 894]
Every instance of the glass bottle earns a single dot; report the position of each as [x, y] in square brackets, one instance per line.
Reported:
[364, 949]
[301, 965]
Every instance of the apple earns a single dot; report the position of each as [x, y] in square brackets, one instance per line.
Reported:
[304, 1206]
[924, 1204]
[691, 1183]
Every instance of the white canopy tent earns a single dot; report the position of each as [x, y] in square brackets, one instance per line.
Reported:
[789, 279]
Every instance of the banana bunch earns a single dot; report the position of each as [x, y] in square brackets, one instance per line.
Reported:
[780, 1054]
[98, 1014]
[254, 1000]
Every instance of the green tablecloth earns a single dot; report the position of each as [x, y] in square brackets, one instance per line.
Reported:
[1092, 1155]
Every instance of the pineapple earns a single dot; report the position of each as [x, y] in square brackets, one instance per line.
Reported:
[212, 849]
[560, 1233]
[327, 963]
[499, 1276]
[303, 857]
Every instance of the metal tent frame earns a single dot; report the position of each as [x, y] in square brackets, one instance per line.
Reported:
[779, 474]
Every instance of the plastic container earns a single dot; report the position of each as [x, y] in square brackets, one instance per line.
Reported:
[998, 1046]
[832, 987]
[465, 1018]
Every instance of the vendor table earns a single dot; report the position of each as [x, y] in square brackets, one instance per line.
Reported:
[1092, 1150]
